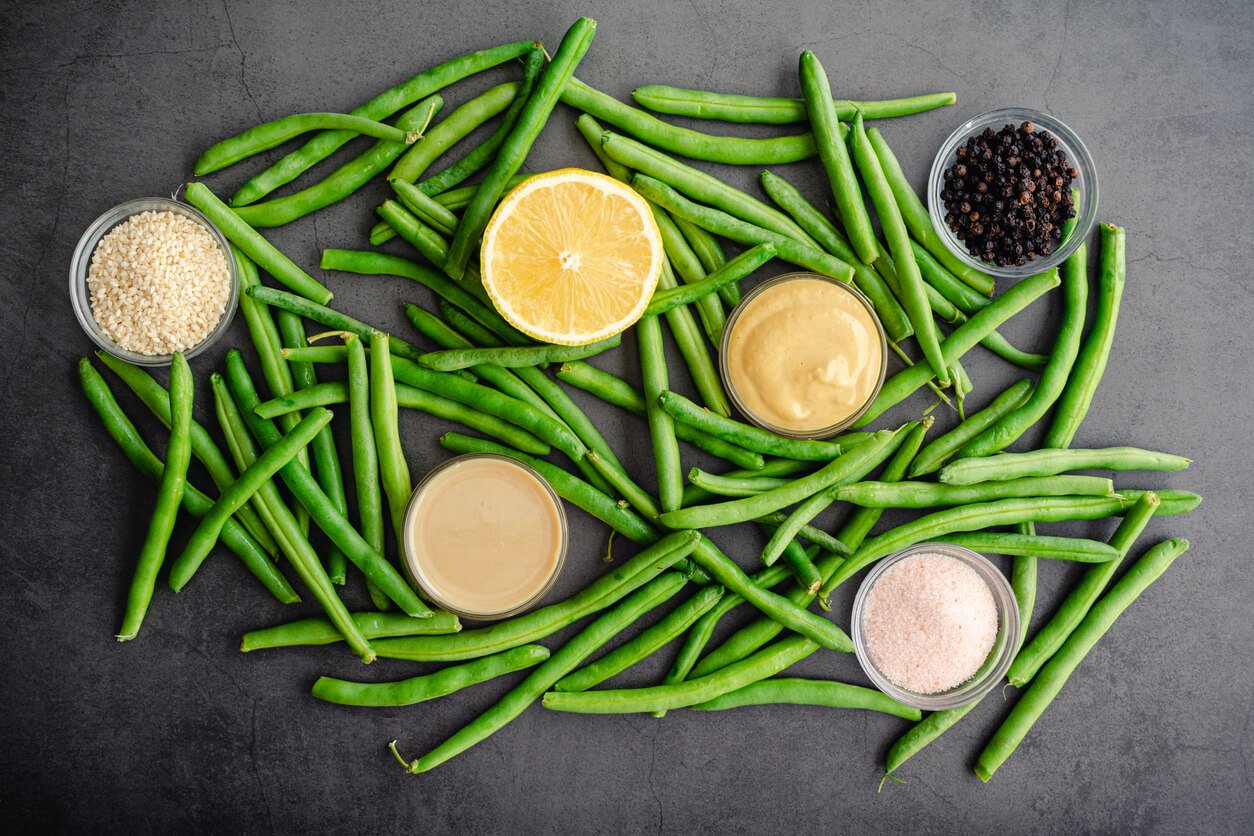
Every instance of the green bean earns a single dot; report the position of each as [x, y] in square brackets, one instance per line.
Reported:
[899, 387]
[800, 564]
[1075, 286]
[733, 107]
[365, 457]
[322, 449]
[817, 536]
[700, 187]
[373, 625]
[735, 270]
[721, 223]
[123, 432]
[316, 354]
[381, 106]
[975, 517]
[735, 486]
[321, 510]
[933, 456]
[744, 435]
[821, 112]
[536, 355]
[810, 692]
[417, 234]
[269, 135]
[299, 551]
[326, 316]
[1004, 466]
[453, 129]
[910, 283]
[327, 393]
[801, 515]
[711, 255]
[267, 464]
[753, 636]
[345, 180]
[518, 143]
[647, 643]
[789, 198]
[439, 332]
[917, 219]
[695, 145]
[545, 621]
[771, 468]
[1076, 549]
[687, 266]
[384, 416]
[620, 393]
[542, 678]
[929, 495]
[204, 448]
[455, 200]
[1022, 575]
[170, 490]
[661, 425]
[251, 243]
[1057, 671]
[1090, 363]
[422, 688]
[425, 208]
[1080, 600]
[370, 263]
[852, 465]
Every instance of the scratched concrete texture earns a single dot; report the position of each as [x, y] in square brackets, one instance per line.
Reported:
[179, 731]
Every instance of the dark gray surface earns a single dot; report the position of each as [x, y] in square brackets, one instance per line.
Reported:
[109, 101]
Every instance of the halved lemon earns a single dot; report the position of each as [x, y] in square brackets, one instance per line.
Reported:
[571, 257]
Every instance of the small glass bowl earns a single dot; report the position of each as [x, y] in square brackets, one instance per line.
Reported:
[410, 559]
[730, 386]
[1077, 154]
[80, 263]
[995, 664]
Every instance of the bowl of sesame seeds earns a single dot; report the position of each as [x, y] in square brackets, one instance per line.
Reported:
[1003, 186]
[150, 277]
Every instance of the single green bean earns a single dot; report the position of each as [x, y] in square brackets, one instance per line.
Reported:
[661, 425]
[269, 135]
[346, 179]
[1090, 364]
[733, 271]
[536, 355]
[431, 686]
[267, 464]
[721, 223]
[170, 492]
[515, 147]
[817, 92]
[327, 393]
[733, 107]
[1035, 545]
[744, 435]
[374, 625]
[123, 432]
[251, 242]
[900, 386]
[316, 354]
[384, 416]
[365, 457]
[933, 456]
[810, 692]
[453, 129]
[646, 644]
[1058, 670]
[732, 150]
[771, 468]
[545, 621]
[917, 219]
[542, 678]
[929, 495]
[620, 393]
[381, 106]
[735, 486]
[1004, 466]
[1022, 578]
[852, 465]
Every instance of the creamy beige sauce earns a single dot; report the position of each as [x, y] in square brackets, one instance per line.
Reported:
[804, 355]
[484, 535]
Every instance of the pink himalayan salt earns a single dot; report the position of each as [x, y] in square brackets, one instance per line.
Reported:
[930, 621]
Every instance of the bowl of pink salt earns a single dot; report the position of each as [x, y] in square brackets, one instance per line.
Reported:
[935, 626]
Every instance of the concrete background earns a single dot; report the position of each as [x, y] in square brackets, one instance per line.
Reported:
[104, 102]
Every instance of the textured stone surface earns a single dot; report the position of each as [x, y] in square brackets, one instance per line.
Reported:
[109, 101]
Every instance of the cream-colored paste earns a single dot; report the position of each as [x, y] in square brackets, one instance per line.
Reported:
[484, 535]
[804, 355]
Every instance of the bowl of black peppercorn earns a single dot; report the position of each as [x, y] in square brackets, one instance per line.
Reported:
[1004, 188]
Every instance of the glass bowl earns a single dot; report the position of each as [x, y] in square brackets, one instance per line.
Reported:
[730, 385]
[80, 263]
[1077, 154]
[995, 665]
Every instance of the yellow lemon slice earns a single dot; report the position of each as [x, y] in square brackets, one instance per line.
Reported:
[571, 257]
